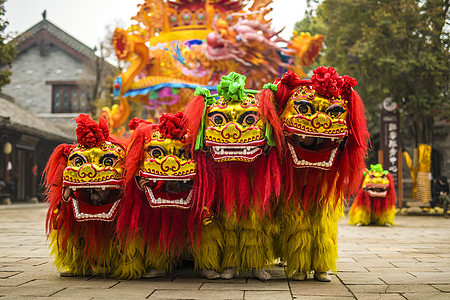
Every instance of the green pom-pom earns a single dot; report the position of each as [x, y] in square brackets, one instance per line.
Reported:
[202, 91]
[377, 167]
[232, 86]
[270, 86]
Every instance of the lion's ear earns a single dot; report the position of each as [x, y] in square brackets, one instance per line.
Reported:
[56, 164]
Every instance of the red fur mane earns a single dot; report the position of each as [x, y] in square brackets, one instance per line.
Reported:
[167, 228]
[97, 234]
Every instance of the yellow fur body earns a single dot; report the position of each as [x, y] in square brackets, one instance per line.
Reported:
[249, 243]
[129, 262]
[71, 256]
[362, 215]
[207, 254]
[308, 241]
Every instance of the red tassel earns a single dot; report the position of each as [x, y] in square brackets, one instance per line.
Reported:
[193, 114]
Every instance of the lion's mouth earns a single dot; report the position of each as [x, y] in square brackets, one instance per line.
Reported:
[167, 192]
[313, 152]
[247, 152]
[94, 203]
[377, 190]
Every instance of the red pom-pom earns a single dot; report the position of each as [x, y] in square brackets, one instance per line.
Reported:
[89, 133]
[327, 82]
[349, 82]
[173, 125]
[66, 150]
[290, 79]
[135, 122]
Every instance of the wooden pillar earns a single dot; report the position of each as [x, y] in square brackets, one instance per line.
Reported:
[380, 157]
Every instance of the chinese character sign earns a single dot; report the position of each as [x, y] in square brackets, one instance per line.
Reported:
[389, 138]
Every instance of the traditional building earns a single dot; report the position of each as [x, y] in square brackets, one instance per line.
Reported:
[54, 78]
[26, 143]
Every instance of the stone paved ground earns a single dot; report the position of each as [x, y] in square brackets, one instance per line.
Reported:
[408, 261]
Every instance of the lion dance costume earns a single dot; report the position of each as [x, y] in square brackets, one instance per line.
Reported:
[83, 189]
[375, 202]
[324, 124]
[160, 216]
[233, 137]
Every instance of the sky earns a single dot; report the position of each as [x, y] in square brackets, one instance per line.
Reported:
[87, 20]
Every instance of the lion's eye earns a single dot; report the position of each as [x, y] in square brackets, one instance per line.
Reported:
[335, 111]
[248, 118]
[217, 118]
[251, 119]
[303, 107]
[108, 160]
[77, 160]
[155, 151]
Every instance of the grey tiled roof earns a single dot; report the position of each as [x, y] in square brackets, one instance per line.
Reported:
[59, 34]
[14, 117]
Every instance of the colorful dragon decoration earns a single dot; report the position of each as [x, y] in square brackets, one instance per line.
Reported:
[177, 46]
[84, 188]
[375, 202]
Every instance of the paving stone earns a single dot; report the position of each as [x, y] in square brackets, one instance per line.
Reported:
[434, 259]
[273, 285]
[431, 277]
[413, 264]
[200, 294]
[417, 268]
[427, 296]
[366, 296]
[300, 297]
[267, 295]
[397, 277]
[7, 274]
[193, 284]
[359, 278]
[373, 262]
[367, 288]
[409, 260]
[351, 267]
[313, 287]
[442, 287]
[27, 292]
[74, 282]
[407, 288]
[346, 260]
[75, 293]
